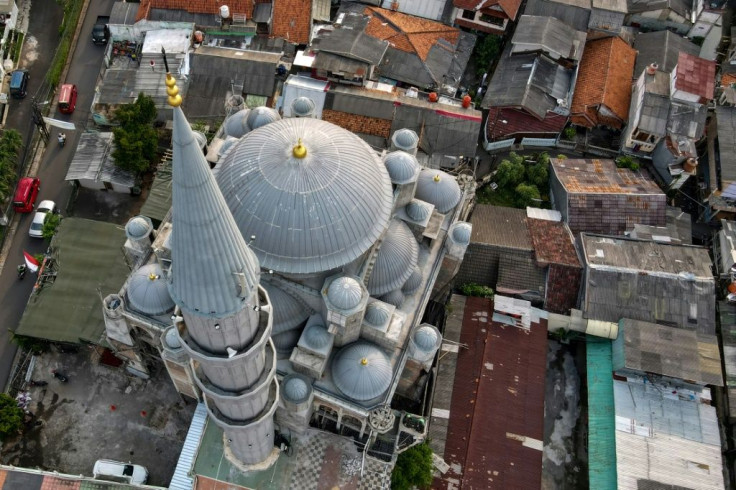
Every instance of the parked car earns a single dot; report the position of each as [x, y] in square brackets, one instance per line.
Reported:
[19, 83]
[115, 471]
[67, 98]
[44, 209]
[25, 194]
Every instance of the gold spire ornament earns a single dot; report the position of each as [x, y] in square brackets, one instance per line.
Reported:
[172, 91]
[437, 178]
[299, 151]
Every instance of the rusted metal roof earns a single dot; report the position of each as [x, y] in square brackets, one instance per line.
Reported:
[594, 176]
[496, 423]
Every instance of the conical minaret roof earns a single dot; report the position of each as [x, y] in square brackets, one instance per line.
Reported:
[213, 272]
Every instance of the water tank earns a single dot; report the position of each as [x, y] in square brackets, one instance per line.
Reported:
[224, 11]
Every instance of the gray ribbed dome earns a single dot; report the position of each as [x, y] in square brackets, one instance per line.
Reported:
[413, 283]
[317, 337]
[425, 338]
[395, 297]
[286, 341]
[438, 188]
[261, 116]
[288, 313]
[376, 315]
[396, 259]
[148, 292]
[405, 139]
[295, 389]
[418, 210]
[172, 339]
[310, 214]
[138, 227]
[402, 167]
[237, 124]
[361, 371]
[302, 107]
[345, 293]
[461, 233]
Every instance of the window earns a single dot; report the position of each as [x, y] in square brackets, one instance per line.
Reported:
[492, 19]
[469, 14]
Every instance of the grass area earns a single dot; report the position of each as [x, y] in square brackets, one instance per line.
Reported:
[72, 11]
[499, 197]
[17, 40]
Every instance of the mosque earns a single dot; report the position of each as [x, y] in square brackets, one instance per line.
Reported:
[287, 286]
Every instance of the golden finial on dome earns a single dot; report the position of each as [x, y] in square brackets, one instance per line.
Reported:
[437, 178]
[299, 151]
[172, 91]
[152, 276]
[364, 361]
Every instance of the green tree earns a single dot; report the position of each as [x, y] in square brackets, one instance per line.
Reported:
[510, 173]
[413, 468]
[486, 50]
[527, 195]
[10, 145]
[11, 416]
[49, 226]
[538, 174]
[135, 138]
[31, 344]
[473, 289]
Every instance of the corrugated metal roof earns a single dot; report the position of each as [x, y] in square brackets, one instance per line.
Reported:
[601, 416]
[601, 176]
[574, 16]
[92, 160]
[205, 284]
[496, 421]
[438, 188]
[548, 34]
[726, 117]
[361, 371]
[500, 226]
[661, 47]
[124, 13]
[288, 312]
[181, 479]
[395, 261]
[158, 202]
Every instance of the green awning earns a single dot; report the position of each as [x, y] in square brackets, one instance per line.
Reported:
[87, 259]
[158, 202]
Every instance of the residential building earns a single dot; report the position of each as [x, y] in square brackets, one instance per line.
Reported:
[492, 16]
[439, 10]
[687, 18]
[598, 197]
[650, 108]
[600, 18]
[603, 90]
[662, 48]
[93, 167]
[532, 88]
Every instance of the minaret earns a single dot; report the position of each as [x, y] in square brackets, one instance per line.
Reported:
[223, 316]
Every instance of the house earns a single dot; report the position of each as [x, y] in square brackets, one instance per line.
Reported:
[439, 10]
[373, 43]
[93, 167]
[601, 18]
[492, 16]
[603, 90]
[662, 48]
[650, 281]
[530, 93]
[597, 197]
[659, 15]
[649, 111]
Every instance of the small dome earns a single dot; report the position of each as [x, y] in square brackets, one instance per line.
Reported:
[288, 313]
[418, 211]
[226, 145]
[317, 336]
[138, 227]
[148, 292]
[395, 297]
[405, 139]
[376, 315]
[302, 107]
[295, 388]
[286, 341]
[172, 339]
[461, 233]
[438, 188]
[413, 283]
[345, 293]
[361, 371]
[395, 261]
[426, 338]
[260, 116]
[237, 124]
[402, 167]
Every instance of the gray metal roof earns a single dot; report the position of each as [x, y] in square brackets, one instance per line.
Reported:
[345, 293]
[655, 107]
[682, 7]
[673, 352]
[321, 10]
[548, 35]
[395, 261]
[260, 116]
[122, 86]
[413, 283]
[500, 226]
[262, 12]
[302, 106]
[419, 211]
[236, 125]
[661, 47]
[377, 315]
[93, 160]
[402, 167]
[124, 13]
[296, 388]
[147, 291]
[395, 297]
[461, 232]
[138, 227]
[405, 139]
[181, 479]
[317, 336]
[213, 273]
[307, 215]
[727, 243]
[288, 312]
[361, 371]
[426, 338]
[350, 43]
[726, 119]
[687, 120]
[438, 188]
[574, 16]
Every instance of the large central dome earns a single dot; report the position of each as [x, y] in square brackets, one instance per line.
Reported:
[308, 212]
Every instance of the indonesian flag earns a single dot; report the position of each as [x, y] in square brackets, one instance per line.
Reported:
[31, 262]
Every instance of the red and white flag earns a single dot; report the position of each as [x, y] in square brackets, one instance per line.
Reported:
[31, 262]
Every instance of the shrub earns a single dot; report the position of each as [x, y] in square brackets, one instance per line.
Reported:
[539, 175]
[49, 226]
[625, 161]
[527, 195]
[473, 289]
[561, 156]
[413, 468]
[135, 138]
[11, 416]
[510, 173]
[569, 133]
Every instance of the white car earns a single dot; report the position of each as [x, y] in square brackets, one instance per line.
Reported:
[44, 208]
[116, 471]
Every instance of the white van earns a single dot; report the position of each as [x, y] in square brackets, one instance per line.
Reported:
[118, 472]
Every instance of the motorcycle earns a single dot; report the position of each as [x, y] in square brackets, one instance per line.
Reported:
[62, 139]
[33, 382]
[59, 376]
[21, 271]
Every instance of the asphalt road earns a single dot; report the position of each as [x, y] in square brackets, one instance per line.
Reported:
[39, 47]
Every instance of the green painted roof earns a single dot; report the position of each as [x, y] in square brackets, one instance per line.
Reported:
[601, 417]
[158, 202]
[88, 260]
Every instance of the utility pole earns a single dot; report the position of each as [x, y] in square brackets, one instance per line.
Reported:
[38, 120]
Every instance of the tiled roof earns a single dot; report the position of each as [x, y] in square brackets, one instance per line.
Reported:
[520, 122]
[408, 33]
[727, 79]
[291, 20]
[197, 6]
[552, 242]
[604, 79]
[594, 176]
[499, 226]
[695, 75]
[510, 7]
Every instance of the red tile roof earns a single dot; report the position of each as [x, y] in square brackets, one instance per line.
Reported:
[727, 79]
[604, 79]
[497, 402]
[553, 242]
[695, 75]
[520, 122]
[291, 20]
[510, 7]
[196, 6]
[408, 33]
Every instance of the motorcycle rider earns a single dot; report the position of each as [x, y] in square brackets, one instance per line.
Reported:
[62, 139]
[21, 271]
